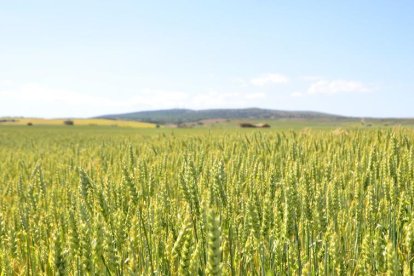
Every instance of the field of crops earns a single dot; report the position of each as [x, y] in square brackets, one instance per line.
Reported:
[76, 122]
[186, 202]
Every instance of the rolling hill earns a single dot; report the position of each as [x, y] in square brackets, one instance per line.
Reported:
[179, 116]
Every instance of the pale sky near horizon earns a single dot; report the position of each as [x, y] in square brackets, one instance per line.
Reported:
[87, 58]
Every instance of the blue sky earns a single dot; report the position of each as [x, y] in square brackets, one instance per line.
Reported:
[86, 58]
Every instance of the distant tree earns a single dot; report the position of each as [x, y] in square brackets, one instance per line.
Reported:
[247, 125]
[69, 122]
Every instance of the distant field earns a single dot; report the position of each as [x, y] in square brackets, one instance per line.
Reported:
[225, 123]
[79, 122]
[304, 123]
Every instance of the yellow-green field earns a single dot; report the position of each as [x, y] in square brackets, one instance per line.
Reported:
[78, 122]
[125, 201]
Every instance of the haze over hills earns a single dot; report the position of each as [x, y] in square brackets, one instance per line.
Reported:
[177, 116]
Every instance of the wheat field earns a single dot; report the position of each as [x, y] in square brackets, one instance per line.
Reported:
[180, 202]
[76, 122]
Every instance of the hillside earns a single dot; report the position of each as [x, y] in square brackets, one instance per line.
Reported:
[177, 116]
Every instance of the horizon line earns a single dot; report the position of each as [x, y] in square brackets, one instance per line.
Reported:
[212, 109]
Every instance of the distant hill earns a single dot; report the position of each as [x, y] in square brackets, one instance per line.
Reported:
[179, 116]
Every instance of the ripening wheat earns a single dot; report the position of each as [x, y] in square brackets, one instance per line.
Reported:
[224, 203]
